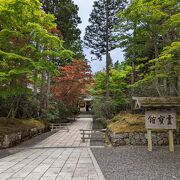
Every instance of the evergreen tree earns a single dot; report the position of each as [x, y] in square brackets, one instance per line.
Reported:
[146, 28]
[67, 20]
[100, 33]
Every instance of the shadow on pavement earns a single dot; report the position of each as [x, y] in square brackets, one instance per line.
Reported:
[29, 143]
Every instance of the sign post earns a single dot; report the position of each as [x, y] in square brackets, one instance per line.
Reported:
[160, 119]
[171, 141]
[149, 137]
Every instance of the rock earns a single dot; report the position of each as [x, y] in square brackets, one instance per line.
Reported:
[6, 142]
[122, 142]
[140, 138]
[15, 138]
[127, 141]
[136, 136]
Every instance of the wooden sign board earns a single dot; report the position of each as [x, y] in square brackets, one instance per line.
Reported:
[160, 119]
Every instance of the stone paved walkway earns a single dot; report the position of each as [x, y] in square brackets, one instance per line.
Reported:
[61, 156]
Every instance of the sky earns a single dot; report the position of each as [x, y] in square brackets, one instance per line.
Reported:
[85, 8]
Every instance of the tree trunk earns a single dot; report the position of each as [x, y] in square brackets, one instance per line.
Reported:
[107, 49]
[133, 73]
[157, 87]
[165, 86]
[43, 90]
[172, 88]
[48, 88]
[178, 86]
[133, 66]
[14, 107]
[35, 84]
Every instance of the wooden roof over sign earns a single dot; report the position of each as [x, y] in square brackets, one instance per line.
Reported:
[159, 102]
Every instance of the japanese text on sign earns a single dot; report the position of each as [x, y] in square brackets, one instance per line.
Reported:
[160, 119]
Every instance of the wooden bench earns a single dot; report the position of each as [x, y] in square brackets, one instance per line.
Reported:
[87, 133]
[58, 126]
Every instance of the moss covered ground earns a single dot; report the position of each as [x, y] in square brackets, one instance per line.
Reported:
[8, 126]
[126, 122]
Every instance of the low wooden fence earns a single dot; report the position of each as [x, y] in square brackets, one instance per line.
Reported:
[59, 126]
[88, 134]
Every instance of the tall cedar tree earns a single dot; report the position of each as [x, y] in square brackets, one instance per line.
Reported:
[67, 20]
[100, 33]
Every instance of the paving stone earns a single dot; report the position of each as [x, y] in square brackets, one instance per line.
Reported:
[81, 172]
[85, 160]
[52, 172]
[63, 178]
[69, 168]
[15, 168]
[47, 178]
[59, 156]
[58, 163]
[4, 176]
[79, 178]
[85, 165]
[33, 176]
[41, 168]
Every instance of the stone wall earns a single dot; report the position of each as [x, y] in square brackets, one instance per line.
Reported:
[138, 138]
[10, 140]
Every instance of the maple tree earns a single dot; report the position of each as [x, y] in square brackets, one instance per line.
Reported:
[71, 81]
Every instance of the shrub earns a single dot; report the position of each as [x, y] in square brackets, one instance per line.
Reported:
[104, 107]
[58, 111]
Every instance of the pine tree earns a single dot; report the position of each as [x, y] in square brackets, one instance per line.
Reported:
[100, 35]
[67, 20]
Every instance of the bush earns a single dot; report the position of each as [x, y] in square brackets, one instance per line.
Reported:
[99, 123]
[27, 107]
[104, 107]
[58, 111]
[4, 107]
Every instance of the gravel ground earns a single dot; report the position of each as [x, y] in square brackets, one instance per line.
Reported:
[136, 163]
[29, 143]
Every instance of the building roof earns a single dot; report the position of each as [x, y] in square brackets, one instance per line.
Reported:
[159, 102]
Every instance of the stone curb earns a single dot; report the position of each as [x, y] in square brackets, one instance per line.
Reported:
[98, 170]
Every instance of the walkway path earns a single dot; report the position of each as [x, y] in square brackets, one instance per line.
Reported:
[62, 156]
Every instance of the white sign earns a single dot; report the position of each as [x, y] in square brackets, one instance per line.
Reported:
[160, 120]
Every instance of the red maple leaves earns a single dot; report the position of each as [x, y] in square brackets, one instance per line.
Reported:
[71, 82]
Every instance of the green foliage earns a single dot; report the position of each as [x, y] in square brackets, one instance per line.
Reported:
[118, 86]
[168, 63]
[28, 50]
[149, 33]
[103, 107]
[99, 123]
[164, 70]
[67, 19]
[58, 112]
